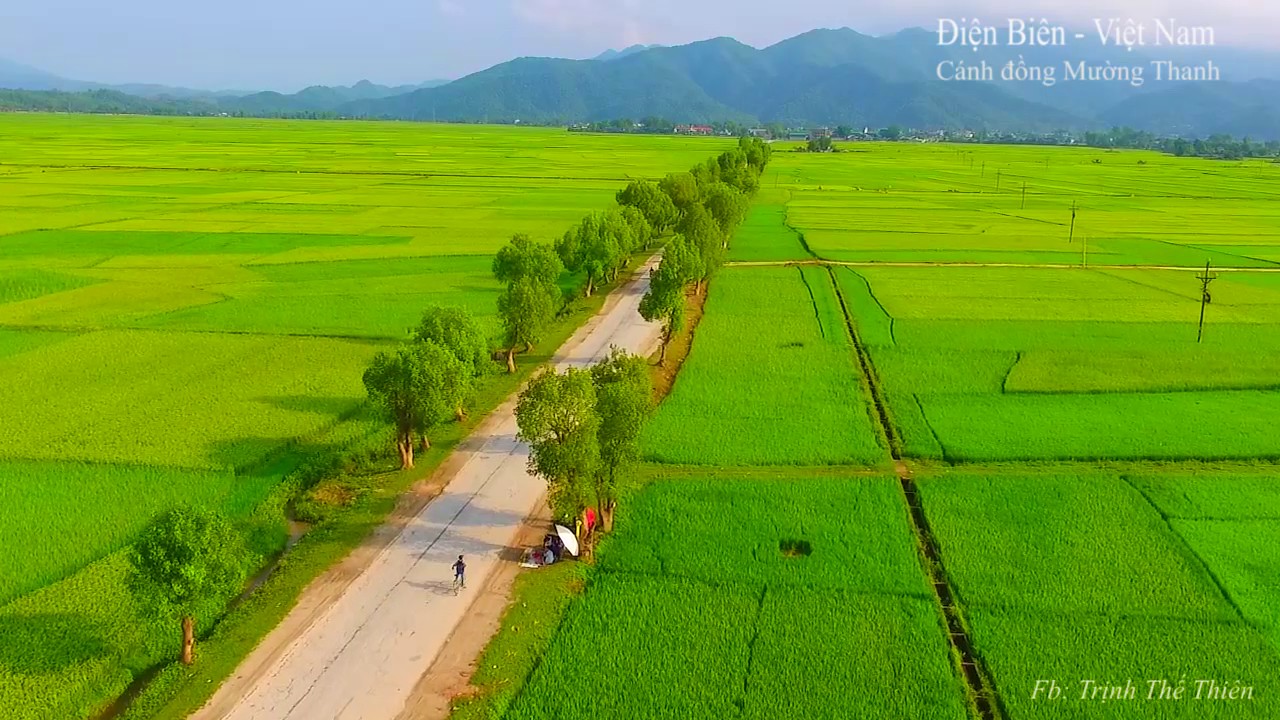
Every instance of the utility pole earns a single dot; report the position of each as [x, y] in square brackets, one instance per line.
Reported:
[998, 172]
[1024, 194]
[1072, 236]
[984, 168]
[1204, 279]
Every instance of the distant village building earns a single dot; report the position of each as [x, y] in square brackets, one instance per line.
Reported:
[800, 134]
[762, 133]
[694, 130]
[816, 133]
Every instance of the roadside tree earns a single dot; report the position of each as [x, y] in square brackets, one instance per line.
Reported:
[556, 416]
[188, 563]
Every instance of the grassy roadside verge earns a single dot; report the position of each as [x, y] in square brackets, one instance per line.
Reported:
[540, 599]
[175, 691]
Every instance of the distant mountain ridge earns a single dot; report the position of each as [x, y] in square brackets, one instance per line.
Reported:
[16, 76]
[821, 77]
[828, 77]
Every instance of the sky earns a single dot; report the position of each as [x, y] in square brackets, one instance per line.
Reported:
[288, 44]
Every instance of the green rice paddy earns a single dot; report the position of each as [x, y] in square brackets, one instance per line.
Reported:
[1099, 486]
[186, 307]
[182, 300]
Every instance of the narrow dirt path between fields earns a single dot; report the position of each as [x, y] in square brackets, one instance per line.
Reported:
[1038, 266]
[362, 636]
[970, 668]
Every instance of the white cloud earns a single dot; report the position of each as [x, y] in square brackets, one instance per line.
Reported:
[611, 22]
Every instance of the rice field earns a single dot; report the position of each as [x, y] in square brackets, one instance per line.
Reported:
[186, 308]
[1081, 578]
[181, 299]
[694, 610]
[1099, 486]
[771, 379]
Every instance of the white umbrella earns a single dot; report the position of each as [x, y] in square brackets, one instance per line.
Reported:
[566, 537]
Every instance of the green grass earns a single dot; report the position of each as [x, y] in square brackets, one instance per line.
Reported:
[195, 400]
[771, 379]
[539, 601]
[19, 285]
[1087, 544]
[1131, 426]
[833, 654]
[642, 647]
[13, 342]
[1083, 371]
[1021, 648]
[764, 235]
[693, 609]
[50, 501]
[178, 299]
[1212, 496]
[729, 531]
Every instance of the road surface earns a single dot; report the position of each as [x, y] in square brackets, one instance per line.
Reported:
[360, 658]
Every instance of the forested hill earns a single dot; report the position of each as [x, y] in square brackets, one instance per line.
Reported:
[822, 77]
[829, 77]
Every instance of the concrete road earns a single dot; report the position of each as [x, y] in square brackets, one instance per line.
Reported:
[360, 658]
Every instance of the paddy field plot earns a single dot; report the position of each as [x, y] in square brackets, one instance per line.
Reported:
[898, 202]
[736, 596]
[1038, 363]
[771, 379]
[187, 304]
[1087, 577]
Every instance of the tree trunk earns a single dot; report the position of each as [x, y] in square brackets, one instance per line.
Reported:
[404, 444]
[607, 516]
[662, 353]
[188, 640]
[511, 360]
[426, 444]
[590, 285]
[461, 413]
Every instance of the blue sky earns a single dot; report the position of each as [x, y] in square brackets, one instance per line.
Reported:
[288, 44]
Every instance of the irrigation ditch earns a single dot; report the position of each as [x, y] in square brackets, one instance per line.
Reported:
[968, 664]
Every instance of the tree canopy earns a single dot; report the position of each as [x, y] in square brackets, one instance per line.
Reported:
[556, 415]
[652, 202]
[682, 188]
[416, 387]
[458, 332]
[624, 401]
[188, 563]
[522, 257]
[526, 308]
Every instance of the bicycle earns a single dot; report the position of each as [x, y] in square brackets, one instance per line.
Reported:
[458, 583]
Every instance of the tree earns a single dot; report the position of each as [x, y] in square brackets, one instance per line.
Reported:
[641, 231]
[556, 416]
[703, 233]
[532, 273]
[655, 204]
[843, 131]
[458, 332]
[893, 132]
[726, 205]
[416, 387]
[188, 563]
[682, 188]
[526, 308]
[820, 144]
[664, 300]
[624, 401]
[523, 257]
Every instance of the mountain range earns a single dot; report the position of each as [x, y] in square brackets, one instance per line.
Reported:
[822, 77]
